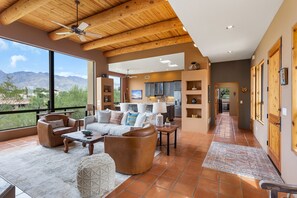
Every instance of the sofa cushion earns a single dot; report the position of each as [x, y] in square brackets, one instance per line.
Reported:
[101, 128]
[63, 130]
[119, 130]
[131, 119]
[111, 129]
[56, 123]
[116, 117]
[124, 118]
[103, 116]
[140, 120]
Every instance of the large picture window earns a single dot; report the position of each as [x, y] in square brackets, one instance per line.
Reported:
[25, 91]
[71, 82]
[117, 88]
[24, 83]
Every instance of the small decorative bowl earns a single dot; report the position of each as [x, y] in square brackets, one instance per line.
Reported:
[86, 132]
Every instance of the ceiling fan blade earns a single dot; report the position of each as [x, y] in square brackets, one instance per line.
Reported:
[82, 38]
[83, 26]
[60, 24]
[91, 34]
[65, 33]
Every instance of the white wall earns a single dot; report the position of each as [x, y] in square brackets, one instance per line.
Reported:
[281, 26]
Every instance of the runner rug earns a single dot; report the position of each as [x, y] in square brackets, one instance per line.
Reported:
[241, 160]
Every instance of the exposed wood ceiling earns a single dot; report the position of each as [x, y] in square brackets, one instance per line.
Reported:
[125, 26]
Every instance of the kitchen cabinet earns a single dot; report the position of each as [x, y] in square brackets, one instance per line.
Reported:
[159, 88]
[177, 85]
[149, 89]
[168, 88]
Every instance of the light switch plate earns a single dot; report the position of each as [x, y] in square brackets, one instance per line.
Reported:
[284, 111]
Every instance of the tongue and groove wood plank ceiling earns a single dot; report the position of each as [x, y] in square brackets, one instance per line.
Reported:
[125, 25]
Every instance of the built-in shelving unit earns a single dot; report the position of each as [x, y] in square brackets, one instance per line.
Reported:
[195, 107]
[105, 93]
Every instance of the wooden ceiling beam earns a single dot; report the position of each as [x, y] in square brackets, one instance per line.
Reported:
[116, 13]
[20, 9]
[149, 45]
[148, 30]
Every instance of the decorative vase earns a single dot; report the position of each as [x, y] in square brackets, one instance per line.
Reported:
[194, 66]
[194, 101]
[167, 124]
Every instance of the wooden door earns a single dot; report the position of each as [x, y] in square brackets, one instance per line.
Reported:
[274, 119]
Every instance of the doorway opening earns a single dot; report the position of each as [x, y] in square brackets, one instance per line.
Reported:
[226, 100]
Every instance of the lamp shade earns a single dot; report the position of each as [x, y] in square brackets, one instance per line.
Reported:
[159, 107]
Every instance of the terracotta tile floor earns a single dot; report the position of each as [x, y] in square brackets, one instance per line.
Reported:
[181, 174]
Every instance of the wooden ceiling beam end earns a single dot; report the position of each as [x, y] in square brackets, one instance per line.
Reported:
[149, 45]
[20, 9]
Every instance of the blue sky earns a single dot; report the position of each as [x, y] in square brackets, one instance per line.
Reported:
[19, 57]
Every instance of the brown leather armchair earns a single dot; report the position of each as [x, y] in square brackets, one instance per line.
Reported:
[50, 137]
[133, 152]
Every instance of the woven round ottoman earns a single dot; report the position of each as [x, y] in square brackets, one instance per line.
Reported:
[96, 175]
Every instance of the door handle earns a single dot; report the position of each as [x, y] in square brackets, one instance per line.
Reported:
[277, 123]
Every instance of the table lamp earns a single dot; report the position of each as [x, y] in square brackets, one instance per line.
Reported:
[158, 108]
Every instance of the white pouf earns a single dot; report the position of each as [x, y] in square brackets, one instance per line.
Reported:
[96, 175]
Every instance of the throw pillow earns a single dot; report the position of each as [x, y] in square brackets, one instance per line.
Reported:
[131, 119]
[124, 118]
[140, 120]
[56, 123]
[116, 117]
[103, 116]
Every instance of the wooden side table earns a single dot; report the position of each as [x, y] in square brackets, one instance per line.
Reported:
[167, 130]
[80, 123]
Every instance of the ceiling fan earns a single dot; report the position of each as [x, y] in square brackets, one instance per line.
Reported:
[76, 29]
[128, 75]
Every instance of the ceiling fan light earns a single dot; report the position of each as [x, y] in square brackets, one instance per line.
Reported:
[229, 27]
[172, 65]
[165, 61]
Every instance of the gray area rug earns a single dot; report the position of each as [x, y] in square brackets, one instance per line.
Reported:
[241, 160]
[47, 172]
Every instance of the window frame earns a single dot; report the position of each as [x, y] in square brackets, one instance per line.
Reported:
[259, 92]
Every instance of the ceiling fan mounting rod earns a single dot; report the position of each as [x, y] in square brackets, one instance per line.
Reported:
[77, 2]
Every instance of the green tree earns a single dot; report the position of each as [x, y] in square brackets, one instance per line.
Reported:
[72, 98]
[40, 98]
[9, 94]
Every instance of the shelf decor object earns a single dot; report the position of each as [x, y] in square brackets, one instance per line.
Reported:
[158, 108]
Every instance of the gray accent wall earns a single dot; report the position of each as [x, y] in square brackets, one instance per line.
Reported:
[233, 71]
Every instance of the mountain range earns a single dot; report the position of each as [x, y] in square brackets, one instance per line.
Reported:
[33, 80]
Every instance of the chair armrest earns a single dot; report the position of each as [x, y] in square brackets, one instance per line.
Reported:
[89, 120]
[44, 127]
[286, 188]
[72, 122]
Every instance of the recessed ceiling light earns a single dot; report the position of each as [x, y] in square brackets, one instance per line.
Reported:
[230, 27]
[195, 45]
[184, 29]
[172, 65]
[229, 52]
[165, 61]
